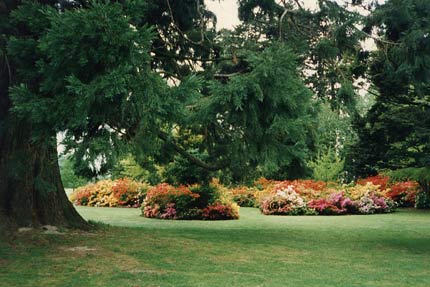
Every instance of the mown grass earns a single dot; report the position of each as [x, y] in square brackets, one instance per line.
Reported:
[257, 250]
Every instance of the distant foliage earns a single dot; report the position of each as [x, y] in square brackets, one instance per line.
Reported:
[109, 193]
[68, 176]
[129, 168]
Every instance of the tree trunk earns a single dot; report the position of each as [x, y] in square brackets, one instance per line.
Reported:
[31, 191]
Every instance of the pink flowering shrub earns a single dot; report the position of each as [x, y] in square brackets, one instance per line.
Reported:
[370, 204]
[336, 204]
[294, 200]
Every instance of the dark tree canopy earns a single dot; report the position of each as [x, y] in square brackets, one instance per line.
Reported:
[98, 79]
[396, 131]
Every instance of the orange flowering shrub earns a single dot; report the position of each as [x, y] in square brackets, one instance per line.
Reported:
[380, 180]
[221, 212]
[196, 202]
[306, 188]
[244, 196]
[110, 193]
[404, 193]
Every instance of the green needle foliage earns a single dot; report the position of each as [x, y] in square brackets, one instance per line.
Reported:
[327, 166]
[396, 131]
[93, 78]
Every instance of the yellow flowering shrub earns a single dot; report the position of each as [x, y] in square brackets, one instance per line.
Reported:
[110, 193]
[358, 191]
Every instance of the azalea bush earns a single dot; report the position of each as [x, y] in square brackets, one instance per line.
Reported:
[357, 191]
[381, 180]
[244, 196]
[189, 202]
[404, 193]
[111, 193]
[335, 204]
[371, 203]
[305, 197]
[285, 201]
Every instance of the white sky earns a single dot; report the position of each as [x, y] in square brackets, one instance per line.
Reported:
[226, 11]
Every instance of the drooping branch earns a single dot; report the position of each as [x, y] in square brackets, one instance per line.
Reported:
[281, 19]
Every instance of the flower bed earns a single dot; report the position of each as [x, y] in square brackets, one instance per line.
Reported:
[305, 197]
[109, 193]
[403, 193]
[290, 199]
[196, 202]
[215, 201]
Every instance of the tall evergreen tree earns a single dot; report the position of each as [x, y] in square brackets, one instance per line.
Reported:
[31, 191]
[127, 76]
[395, 134]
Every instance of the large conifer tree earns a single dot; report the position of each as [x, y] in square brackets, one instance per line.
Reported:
[102, 73]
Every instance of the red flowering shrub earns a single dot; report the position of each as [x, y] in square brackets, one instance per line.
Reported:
[168, 202]
[129, 192]
[220, 212]
[404, 192]
[82, 197]
[380, 180]
[309, 184]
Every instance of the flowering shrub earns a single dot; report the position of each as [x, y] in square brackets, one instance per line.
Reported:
[404, 193]
[311, 197]
[196, 202]
[244, 196]
[369, 204]
[358, 191]
[221, 211]
[380, 180]
[109, 193]
[286, 201]
[336, 204]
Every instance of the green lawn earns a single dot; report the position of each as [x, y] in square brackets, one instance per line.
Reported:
[257, 250]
